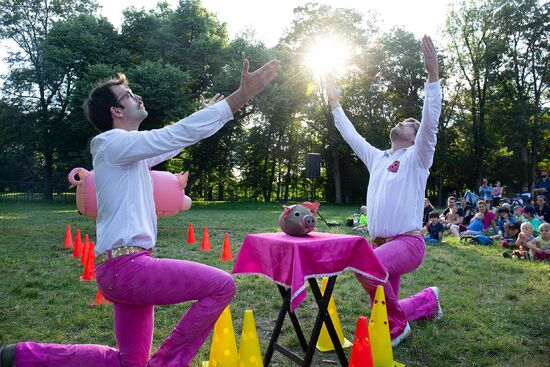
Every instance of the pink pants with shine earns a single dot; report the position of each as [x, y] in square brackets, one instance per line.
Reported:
[134, 283]
[400, 256]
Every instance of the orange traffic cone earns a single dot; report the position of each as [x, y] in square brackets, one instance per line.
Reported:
[100, 299]
[88, 274]
[68, 238]
[205, 240]
[361, 353]
[85, 250]
[191, 235]
[77, 246]
[227, 255]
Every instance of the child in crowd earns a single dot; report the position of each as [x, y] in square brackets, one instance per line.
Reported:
[529, 214]
[476, 226]
[518, 214]
[362, 225]
[434, 228]
[539, 248]
[524, 236]
[452, 217]
[505, 223]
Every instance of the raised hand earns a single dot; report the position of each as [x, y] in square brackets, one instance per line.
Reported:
[252, 83]
[217, 98]
[333, 92]
[430, 59]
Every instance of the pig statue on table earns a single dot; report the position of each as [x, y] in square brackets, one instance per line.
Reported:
[299, 219]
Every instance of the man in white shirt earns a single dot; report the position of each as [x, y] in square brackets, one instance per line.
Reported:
[126, 272]
[395, 198]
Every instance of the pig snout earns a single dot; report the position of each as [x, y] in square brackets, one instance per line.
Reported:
[309, 221]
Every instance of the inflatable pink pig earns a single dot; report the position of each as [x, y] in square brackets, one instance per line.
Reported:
[168, 192]
[298, 220]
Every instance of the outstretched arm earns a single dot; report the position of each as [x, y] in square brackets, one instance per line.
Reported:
[426, 138]
[430, 59]
[252, 83]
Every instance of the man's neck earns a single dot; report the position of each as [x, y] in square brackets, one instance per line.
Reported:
[398, 145]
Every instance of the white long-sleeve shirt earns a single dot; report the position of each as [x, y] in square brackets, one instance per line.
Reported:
[124, 190]
[395, 199]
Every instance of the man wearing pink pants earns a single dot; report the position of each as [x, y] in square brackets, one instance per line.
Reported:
[126, 272]
[395, 198]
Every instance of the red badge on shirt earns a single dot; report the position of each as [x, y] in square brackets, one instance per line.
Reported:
[394, 167]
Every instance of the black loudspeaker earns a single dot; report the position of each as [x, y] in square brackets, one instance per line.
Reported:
[313, 165]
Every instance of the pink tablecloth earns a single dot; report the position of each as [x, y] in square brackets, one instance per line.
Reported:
[290, 261]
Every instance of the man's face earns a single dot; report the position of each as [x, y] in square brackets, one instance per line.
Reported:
[484, 182]
[404, 131]
[451, 202]
[130, 104]
[544, 174]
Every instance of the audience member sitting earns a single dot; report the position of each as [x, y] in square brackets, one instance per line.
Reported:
[524, 236]
[451, 201]
[469, 211]
[505, 221]
[362, 225]
[488, 216]
[434, 228]
[428, 208]
[518, 214]
[541, 209]
[452, 217]
[529, 216]
[476, 226]
[539, 248]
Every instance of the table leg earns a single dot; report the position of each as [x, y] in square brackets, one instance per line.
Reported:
[323, 316]
[285, 308]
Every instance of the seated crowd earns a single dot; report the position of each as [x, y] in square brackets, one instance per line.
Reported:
[523, 228]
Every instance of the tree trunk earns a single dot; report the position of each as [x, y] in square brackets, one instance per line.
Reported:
[337, 179]
[220, 191]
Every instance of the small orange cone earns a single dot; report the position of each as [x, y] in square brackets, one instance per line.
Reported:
[361, 353]
[77, 246]
[68, 238]
[227, 255]
[85, 250]
[205, 240]
[100, 299]
[191, 235]
[88, 274]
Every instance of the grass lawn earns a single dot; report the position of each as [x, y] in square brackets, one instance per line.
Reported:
[496, 310]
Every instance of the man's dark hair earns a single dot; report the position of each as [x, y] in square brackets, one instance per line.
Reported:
[433, 214]
[97, 107]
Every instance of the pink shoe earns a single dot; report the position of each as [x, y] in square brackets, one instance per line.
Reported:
[395, 341]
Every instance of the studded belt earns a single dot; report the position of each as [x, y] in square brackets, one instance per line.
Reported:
[118, 251]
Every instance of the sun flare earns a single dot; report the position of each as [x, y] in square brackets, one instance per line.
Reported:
[328, 54]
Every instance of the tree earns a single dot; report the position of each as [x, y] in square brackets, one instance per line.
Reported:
[32, 82]
[476, 47]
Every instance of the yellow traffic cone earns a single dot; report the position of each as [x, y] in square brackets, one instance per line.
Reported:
[379, 332]
[324, 343]
[223, 352]
[249, 347]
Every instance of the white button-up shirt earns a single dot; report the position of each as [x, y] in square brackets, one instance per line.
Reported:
[124, 190]
[397, 185]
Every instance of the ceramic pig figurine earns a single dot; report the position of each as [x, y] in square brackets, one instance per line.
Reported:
[298, 220]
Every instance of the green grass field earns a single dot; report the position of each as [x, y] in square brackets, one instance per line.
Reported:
[496, 310]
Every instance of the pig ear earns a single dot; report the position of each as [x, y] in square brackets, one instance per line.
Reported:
[311, 206]
[286, 210]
